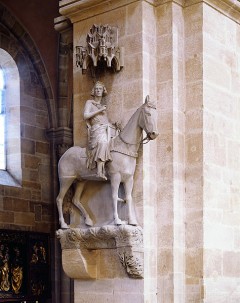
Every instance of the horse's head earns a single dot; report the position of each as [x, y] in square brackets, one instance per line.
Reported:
[148, 119]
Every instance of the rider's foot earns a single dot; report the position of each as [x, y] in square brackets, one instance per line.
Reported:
[102, 176]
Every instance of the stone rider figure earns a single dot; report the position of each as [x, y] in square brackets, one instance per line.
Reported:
[98, 130]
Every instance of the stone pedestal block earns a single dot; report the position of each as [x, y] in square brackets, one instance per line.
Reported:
[80, 250]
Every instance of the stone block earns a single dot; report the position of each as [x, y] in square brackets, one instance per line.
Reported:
[31, 184]
[42, 148]
[133, 44]
[38, 212]
[216, 73]
[194, 96]
[218, 236]
[132, 97]
[133, 22]
[15, 204]
[165, 261]
[194, 148]
[36, 195]
[194, 263]
[164, 19]
[6, 217]
[15, 192]
[42, 120]
[164, 69]
[23, 218]
[34, 133]
[193, 16]
[30, 174]
[213, 263]
[231, 264]
[194, 68]
[194, 230]
[31, 162]
[28, 146]
[28, 115]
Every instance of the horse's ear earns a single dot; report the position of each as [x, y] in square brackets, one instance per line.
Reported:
[147, 99]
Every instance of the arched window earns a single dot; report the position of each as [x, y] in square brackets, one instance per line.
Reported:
[10, 138]
[2, 122]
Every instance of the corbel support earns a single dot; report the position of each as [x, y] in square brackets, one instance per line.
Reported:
[80, 249]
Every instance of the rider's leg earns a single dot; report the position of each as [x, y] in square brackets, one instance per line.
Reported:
[101, 170]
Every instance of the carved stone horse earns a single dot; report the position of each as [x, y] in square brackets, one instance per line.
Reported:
[124, 151]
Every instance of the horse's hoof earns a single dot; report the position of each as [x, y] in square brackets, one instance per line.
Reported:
[119, 222]
[121, 200]
[88, 222]
[133, 223]
[64, 226]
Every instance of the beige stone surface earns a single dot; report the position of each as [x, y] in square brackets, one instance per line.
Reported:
[221, 169]
[185, 54]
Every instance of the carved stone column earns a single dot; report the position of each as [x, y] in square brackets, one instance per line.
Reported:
[61, 139]
[65, 74]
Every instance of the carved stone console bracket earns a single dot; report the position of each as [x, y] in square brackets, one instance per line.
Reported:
[80, 247]
[102, 44]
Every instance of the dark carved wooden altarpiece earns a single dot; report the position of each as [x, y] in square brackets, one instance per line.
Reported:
[24, 266]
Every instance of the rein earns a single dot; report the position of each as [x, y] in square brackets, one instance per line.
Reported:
[140, 142]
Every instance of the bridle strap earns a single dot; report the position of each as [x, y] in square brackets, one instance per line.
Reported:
[143, 141]
[140, 142]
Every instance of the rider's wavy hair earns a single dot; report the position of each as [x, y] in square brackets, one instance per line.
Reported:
[104, 89]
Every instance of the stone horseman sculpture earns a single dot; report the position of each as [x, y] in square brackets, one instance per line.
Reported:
[115, 159]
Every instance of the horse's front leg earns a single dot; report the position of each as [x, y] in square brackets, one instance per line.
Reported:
[77, 202]
[128, 185]
[115, 182]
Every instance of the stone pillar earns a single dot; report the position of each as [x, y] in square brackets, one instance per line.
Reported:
[170, 152]
[127, 90]
[221, 141]
[185, 55]
[65, 76]
[60, 140]
[194, 152]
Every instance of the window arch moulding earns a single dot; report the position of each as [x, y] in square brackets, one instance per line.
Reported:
[11, 174]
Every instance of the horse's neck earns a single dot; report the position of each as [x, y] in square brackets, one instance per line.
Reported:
[132, 133]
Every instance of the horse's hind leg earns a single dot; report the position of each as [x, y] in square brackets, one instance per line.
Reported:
[76, 201]
[65, 183]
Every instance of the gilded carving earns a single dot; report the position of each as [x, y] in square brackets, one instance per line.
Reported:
[24, 265]
[4, 268]
[17, 271]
